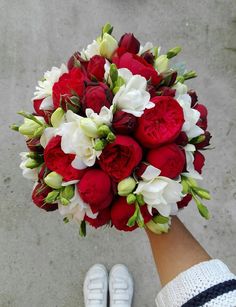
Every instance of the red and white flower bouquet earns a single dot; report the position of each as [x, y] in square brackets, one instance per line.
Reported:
[116, 137]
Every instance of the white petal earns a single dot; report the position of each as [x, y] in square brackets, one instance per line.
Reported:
[47, 104]
[78, 163]
[150, 173]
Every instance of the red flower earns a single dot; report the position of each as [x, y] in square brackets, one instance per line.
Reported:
[199, 161]
[206, 142]
[56, 160]
[95, 188]
[161, 124]
[75, 61]
[119, 158]
[35, 145]
[168, 158]
[70, 85]
[102, 218]
[193, 96]
[96, 68]
[46, 114]
[129, 43]
[182, 139]
[121, 212]
[39, 193]
[138, 66]
[96, 96]
[202, 123]
[185, 201]
[124, 123]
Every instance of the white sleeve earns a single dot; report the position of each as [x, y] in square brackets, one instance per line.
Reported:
[210, 282]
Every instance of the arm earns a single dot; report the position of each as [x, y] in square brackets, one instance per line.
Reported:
[175, 251]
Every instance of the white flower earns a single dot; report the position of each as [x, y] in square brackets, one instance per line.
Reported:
[162, 63]
[148, 46]
[105, 116]
[48, 133]
[76, 209]
[191, 172]
[91, 50]
[31, 174]
[159, 192]
[133, 97]
[191, 116]
[107, 45]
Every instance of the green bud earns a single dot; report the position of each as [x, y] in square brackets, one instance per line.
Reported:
[29, 128]
[100, 144]
[38, 132]
[159, 219]
[14, 127]
[107, 28]
[132, 220]
[57, 116]
[202, 193]
[103, 131]
[140, 199]
[51, 197]
[64, 201]
[131, 199]
[203, 211]
[120, 81]
[82, 230]
[31, 117]
[89, 127]
[185, 185]
[162, 63]
[107, 46]
[180, 79]
[158, 228]
[190, 74]
[111, 137]
[67, 192]
[31, 163]
[126, 186]
[53, 180]
[155, 52]
[66, 220]
[173, 52]
[192, 182]
[113, 73]
[198, 139]
[32, 155]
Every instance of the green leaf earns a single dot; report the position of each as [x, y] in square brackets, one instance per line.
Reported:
[82, 230]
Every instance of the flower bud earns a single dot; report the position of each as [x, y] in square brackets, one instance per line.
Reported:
[57, 117]
[107, 46]
[113, 73]
[173, 52]
[64, 201]
[31, 163]
[140, 199]
[169, 78]
[202, 193]
[38, 132]
[74, 61]
[129, 43]
[107, 28]
[111, 137]
[52, 197]
[89, 127]
[29, 127]
[158, 228]
[67, 192]
[53, 180]
[161, 64]
[100, 145]
[14, 127]
[103, 131]
[190, 74]
[126, 186]
[205, 142]
[124, 123]
[34, 145]
[119, 82]
[131, 199]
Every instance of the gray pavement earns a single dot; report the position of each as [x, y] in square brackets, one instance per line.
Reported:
[43, 261]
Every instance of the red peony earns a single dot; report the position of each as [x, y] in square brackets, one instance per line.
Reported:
[39, 193]
[56, 160]
[138, 66]
[124, 123]
[161, 124]
[102, 218]
[168, 158]
[95, 188]
[70, 85]
[96, 68]
[119, 158]
[129, 43]
[121, 212]
[96, 96]
[199, 161]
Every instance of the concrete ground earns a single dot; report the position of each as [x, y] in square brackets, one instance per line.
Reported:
[43, 261]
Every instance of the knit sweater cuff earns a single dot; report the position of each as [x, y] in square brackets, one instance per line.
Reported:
[192, 282]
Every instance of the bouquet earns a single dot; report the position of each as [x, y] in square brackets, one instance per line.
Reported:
[116, 137]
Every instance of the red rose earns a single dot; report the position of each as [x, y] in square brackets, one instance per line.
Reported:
[102, 218]
[129, 43]
[202, 123]
[119, 158]
[95, 188]
[161, 124]
[121, 212]
[39, 193]
[96, 68]
[169, 159]
[76, 61]
[96, 96]
[68, 90]
[56, 160]
[199, 161]
[185, 201]
[206, 142]
[124, 123]
[138, 66]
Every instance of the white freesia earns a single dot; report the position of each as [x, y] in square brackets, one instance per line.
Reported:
[28, 173]
[107, 45]
[189, 153]
[105, 116]
[191, 116]
[44, 88]
[91, 50]
[148, 46]
[48, 133]
[76, 209]
[133, 97]
[159, 192]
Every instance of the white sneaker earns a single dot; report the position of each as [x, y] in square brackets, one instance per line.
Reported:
[121, 286]
[96, 286]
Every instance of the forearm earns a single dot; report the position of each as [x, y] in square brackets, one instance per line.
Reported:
[175, 251]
